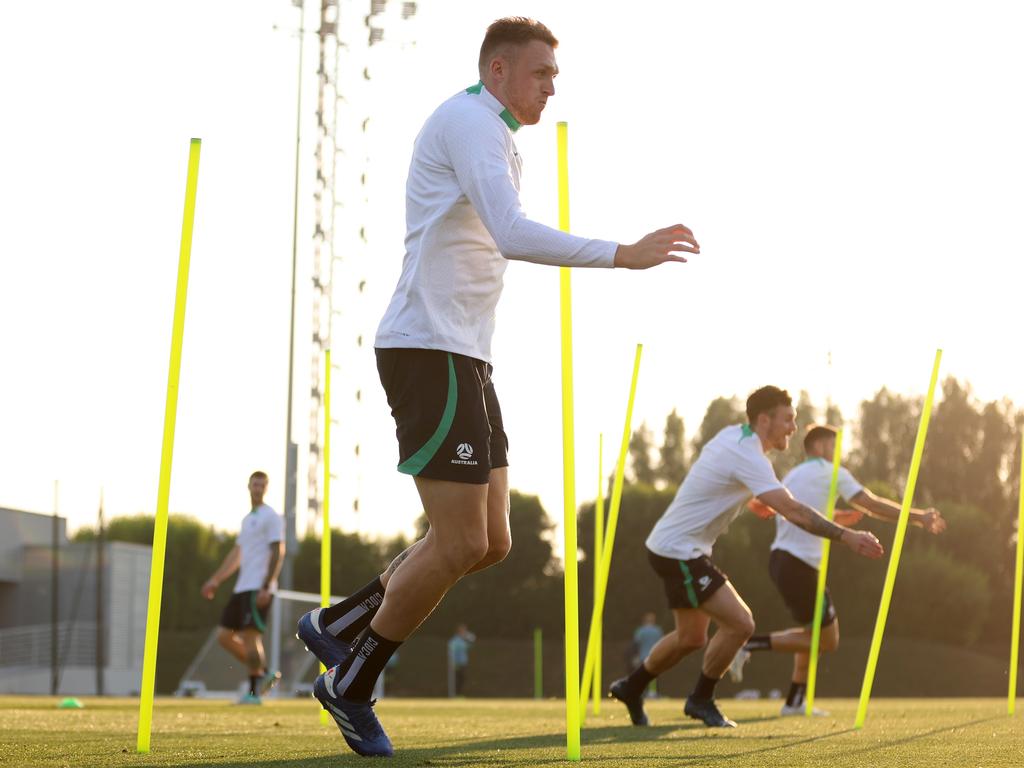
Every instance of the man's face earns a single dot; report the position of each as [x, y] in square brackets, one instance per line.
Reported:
[529, 80]
[257, 487]
[781, 426]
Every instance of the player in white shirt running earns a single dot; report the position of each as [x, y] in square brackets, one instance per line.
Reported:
[257, 556]
[796, 557]
[731, 467]
[464, 224]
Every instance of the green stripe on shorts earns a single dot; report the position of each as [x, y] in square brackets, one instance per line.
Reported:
[689, 584]
[415, 463]
[257, 619]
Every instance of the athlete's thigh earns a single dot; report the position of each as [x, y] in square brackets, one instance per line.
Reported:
[691, 625]
[498, 505]
[453, 508]
[726, 607]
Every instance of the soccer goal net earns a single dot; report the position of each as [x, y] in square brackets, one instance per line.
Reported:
[215, 673]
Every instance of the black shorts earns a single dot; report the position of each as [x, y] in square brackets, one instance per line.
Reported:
[241, 612]
[688, 583]
[798, 584]
[446, 412]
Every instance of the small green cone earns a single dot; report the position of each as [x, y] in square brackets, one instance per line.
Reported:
[70, 703]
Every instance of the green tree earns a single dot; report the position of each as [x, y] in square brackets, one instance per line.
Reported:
[722, 412]
[641, 445]
[885, 437]
[805, 416]
[672, 468]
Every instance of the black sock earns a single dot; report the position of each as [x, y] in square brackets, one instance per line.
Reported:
[347, 619]
[795, 697]
[638, 680]
[354, 680]
[759, 643]
[705, 688]
[254, 684]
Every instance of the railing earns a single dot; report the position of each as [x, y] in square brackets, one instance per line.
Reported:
[29, 646]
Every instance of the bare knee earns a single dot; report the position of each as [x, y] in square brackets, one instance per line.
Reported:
[690, 642]
[225, 637]
[742, 626]
[498, 547]
[461, 553]
[830, 639]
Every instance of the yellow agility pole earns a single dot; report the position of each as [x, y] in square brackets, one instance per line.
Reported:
[598, 539]
[897, 547]
[613, 522]
[819, 600]
[1018, 575]
[156, 570]
[325, 536]
[572, 614]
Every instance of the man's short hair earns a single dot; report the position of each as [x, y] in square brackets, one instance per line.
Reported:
[258, 475]
[512, 31]
[766, 400]
[817, 432]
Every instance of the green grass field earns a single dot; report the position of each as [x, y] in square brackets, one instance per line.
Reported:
[506, 733]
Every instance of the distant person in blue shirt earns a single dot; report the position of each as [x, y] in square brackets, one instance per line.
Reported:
[646, 637]
[458, 657]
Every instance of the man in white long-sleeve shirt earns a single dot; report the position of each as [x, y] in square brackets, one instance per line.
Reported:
[464, 223]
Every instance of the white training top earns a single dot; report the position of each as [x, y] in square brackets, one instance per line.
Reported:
[809, 482]
[260, 528]
[463, 221]
[730, 468]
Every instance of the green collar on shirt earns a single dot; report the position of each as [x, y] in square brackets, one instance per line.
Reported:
[511, 122]
[747, 431]
[809, 459]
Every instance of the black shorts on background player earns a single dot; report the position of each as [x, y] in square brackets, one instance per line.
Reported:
[688, 583]
[447, 416]
[798, 584]
[241, 612]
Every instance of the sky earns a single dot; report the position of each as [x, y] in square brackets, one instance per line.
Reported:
[851, 170]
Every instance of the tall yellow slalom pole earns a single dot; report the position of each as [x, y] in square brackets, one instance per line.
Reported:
[1018, 576]
[156, 570]
[819, 600]
[572, 614]
[598, 546]
[897, 547]
[325, 536]
[609, 537]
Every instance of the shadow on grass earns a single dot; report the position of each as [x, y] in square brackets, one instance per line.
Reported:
[925, 734]
[503, 751]
[688, 736]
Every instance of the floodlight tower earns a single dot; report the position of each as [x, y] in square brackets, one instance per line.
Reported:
[350, 41]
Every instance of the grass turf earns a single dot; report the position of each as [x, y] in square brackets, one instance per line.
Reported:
[511, 732]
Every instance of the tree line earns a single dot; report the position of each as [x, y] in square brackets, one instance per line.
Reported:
[954, 589]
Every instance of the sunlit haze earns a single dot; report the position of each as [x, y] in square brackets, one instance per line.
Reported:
[851, 170]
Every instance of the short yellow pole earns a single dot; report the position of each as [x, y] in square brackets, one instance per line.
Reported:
[598, 546]
[613, 522]
[819, 599]
[1018, 575]
[897, 548]
[325, 536]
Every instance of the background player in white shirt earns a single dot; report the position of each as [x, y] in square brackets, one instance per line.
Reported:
[257, 556]
[730, 468]
[463, 224]
[796, 557]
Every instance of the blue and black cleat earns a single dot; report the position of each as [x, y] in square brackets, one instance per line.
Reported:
[356, 720]
[325, 646]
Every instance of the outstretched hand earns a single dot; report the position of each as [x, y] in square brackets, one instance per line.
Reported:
[932, 521]
[656, 248]
[864, 543]
[760, 509]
